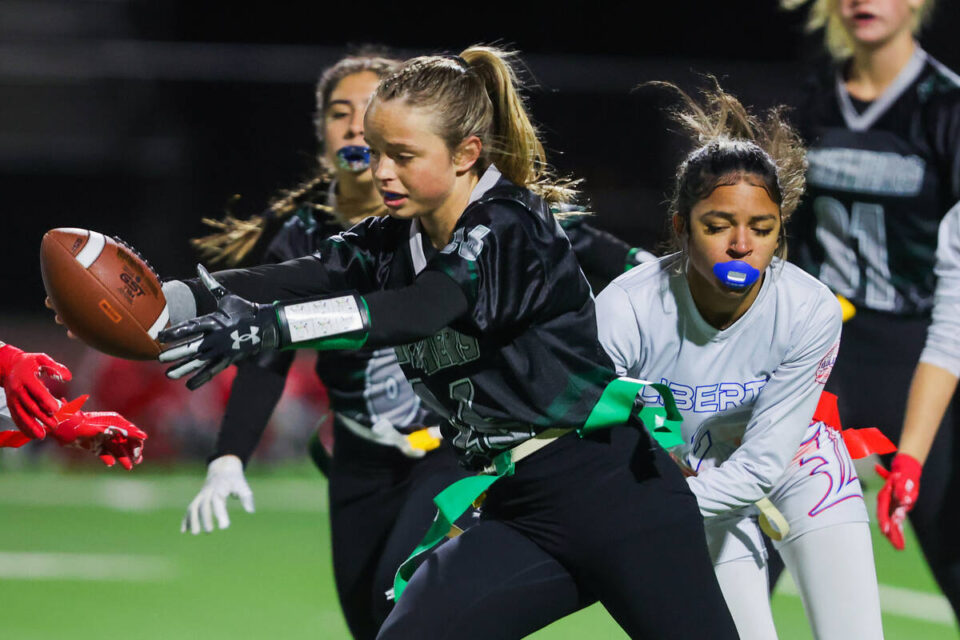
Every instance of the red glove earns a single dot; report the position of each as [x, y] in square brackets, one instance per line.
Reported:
[897, 496]
[30, 403]
[106, 433]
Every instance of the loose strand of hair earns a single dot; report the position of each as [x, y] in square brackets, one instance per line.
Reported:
[720, 115]
[515, 146]
[234, 237]
[719, 119]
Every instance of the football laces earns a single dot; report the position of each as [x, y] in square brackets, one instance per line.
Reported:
[135, 252]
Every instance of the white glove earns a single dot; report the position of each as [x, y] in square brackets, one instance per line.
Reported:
[224, 479]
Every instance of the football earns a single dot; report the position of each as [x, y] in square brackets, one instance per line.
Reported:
[104, 292]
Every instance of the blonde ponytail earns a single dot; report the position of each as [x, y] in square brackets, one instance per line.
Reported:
[478, 94]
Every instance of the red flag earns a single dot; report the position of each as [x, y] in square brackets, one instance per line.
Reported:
[862, 442]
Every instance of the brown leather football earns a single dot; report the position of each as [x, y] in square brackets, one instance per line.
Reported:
[104, 292]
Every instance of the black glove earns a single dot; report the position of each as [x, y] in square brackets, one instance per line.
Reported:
[237, 330]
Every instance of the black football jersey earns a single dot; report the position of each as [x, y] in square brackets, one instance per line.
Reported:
[881, 177]
[526, 356]
[602, 255]
[366, 385]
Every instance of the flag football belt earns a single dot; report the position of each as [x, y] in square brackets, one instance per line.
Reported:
[415, 444]
[859, 442]
[614, 408]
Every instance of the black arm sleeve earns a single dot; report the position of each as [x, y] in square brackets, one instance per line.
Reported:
[401, 316]
[397, 317]
[300, 278]
[253, 396]
[601, 255]
[346, 262]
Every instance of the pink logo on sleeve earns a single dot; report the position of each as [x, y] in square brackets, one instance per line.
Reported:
[826, 364]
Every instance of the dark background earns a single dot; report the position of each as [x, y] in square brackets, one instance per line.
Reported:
[138, 118]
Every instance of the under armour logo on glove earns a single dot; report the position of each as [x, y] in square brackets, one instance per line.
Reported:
[237, 330]
[247, 337]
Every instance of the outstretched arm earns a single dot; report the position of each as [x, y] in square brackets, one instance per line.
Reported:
[931, 390]
[240, 329]
[602, 255]
[30, 404]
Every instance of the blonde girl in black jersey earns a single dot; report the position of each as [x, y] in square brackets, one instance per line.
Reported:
[884, 183]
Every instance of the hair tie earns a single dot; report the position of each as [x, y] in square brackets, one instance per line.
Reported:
[460, 61]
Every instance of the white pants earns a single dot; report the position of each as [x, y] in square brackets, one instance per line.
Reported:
[827, 551]
[834, 572]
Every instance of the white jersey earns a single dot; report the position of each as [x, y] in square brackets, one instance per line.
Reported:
[747, 393]
[943, 337]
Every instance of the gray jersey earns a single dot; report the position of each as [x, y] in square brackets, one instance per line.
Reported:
[747, 393]
[943, 337]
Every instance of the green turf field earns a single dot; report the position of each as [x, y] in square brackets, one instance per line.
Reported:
[99, 553]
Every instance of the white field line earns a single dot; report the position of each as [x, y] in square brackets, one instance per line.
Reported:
[85, 566]
[271, 494]
[898, 601]
[151, 494]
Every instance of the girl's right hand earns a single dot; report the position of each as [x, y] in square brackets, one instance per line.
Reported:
[49, 304]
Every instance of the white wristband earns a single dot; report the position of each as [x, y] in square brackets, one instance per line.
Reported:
[316, 319]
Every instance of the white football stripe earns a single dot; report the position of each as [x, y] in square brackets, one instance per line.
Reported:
[85, 566]
[171, 492]
[91, 251]
[160, 323]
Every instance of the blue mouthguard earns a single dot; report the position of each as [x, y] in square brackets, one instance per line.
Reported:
[354, 158]
[736, 274]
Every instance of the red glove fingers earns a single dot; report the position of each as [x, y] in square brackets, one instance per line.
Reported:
[888, 527]
[25, 418]
[125, 450]
[907, 489]
[898, 496]
[115, 423]
[53, 369]
[896, 528]
[32, 405]
[38, 393]
[123, 442]
[108, 435]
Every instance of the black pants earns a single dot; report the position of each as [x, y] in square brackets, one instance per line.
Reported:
[605, 518]
[380, 507]
[878, 354]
